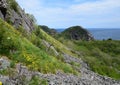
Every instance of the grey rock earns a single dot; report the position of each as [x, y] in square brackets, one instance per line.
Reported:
[50, 47]
[16, 18]
[3, 9]
[1, 15]
[87, 77]
[4, 63]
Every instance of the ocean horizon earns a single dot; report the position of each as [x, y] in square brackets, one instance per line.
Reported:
[102, 33]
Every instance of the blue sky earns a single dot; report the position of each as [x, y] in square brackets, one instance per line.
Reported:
[66, 13]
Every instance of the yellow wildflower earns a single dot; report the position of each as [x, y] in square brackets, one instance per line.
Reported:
[0, 83]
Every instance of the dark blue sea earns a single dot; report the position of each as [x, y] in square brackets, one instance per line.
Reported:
[101, 33]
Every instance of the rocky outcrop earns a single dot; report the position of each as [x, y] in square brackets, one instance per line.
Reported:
[11, 12]
[76, 33]
[50, 47]
[3, 8]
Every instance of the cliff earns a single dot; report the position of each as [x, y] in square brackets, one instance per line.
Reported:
[11, 12]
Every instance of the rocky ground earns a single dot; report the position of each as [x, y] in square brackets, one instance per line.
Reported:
[86, 77]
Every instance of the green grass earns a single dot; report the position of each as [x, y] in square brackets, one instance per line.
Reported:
[102, 56]
[58, 45]
[37, 81]
[19, 49]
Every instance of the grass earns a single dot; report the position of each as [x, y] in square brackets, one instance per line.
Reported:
[58, 45]
[37, 81]
[103, 57]
[21, 50]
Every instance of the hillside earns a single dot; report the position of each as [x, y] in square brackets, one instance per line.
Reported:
[30, 56]
[76, 33]
[103, 57]
[48, 30]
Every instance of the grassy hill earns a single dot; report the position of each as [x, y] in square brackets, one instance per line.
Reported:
[103, 57]
[22, 48]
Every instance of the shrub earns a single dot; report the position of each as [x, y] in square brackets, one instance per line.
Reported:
[12, 64]
[37, 81]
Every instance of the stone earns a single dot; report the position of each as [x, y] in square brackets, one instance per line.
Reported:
[1, 15]
[4, 63]
[3, 8]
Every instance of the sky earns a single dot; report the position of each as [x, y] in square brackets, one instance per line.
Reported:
[66, 13]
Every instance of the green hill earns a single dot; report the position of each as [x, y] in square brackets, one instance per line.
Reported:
[19, 49]
[76, 33]
[103, 57]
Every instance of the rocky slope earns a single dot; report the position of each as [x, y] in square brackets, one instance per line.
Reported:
[87, 77]
[22, 75]
[11, 12]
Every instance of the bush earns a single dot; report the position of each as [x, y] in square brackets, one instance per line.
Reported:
[12, 64]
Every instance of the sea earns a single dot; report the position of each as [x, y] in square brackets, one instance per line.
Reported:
[102, 33]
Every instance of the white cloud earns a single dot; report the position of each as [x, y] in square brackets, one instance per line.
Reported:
[76, 14]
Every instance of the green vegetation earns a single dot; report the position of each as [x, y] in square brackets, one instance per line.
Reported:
[102, 56]
[50, 31]
[37, 81]
[45, 28]
[58, 45]
[18, 48]
[4, 72]
[13, 4]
